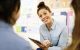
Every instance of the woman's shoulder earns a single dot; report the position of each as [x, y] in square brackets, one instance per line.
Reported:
[59, 24]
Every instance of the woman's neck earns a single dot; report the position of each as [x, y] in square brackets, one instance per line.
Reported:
[49, 25]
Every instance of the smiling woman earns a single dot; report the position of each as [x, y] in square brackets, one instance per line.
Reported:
[52, 34]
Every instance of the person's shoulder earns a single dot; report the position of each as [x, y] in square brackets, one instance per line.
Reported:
[59, 24]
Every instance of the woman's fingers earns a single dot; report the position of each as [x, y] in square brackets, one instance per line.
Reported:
[46, 43]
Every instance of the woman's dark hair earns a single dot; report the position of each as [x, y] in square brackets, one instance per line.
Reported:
[42, 6]
[7, 7]
[76, 31]
[76, 5]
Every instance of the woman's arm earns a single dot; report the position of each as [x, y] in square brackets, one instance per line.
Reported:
[64, 40]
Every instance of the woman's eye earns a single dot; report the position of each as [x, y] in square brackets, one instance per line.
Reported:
[45, 13]
[40, 16]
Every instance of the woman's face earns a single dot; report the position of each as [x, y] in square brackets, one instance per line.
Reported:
[45, 16]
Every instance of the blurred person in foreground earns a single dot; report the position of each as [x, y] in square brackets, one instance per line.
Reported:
[9, 13]
[76, 31]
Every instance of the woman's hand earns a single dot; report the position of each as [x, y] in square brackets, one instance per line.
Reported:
[43, 47]
[46, 43]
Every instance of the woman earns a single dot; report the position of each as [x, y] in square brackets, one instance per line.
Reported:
[76, 31]
[53, 34]
[9, 13]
